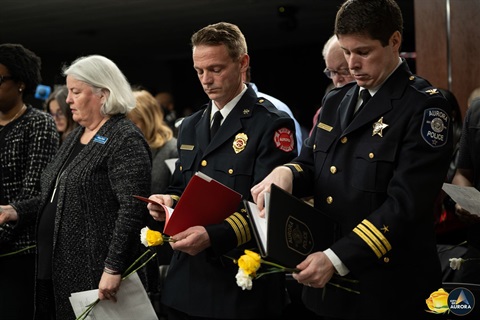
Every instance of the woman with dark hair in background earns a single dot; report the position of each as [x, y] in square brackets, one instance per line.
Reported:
[58, 107]
[28, 141]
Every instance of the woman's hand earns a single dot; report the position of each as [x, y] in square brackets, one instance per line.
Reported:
[108, 286]
[7, 214]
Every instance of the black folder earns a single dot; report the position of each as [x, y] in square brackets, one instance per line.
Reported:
[292, 230]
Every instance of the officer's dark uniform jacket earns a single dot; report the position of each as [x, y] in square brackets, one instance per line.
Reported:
[204, 285]
[377, 178]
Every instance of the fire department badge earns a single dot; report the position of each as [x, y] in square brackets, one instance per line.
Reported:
[240, 142]
[283, 139]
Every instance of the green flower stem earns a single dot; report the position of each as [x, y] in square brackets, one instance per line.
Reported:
[85, 313]
[345, 279]
[452, 247]
[344, 288]
[141, 266]
[136, 261]
[18, 251]
[284, 269]
[268, 272]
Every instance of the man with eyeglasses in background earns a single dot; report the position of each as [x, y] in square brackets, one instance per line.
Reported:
[336, 68]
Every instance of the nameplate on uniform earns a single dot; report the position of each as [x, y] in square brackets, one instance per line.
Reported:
[100, 139]
[324, 126]
[187, 147]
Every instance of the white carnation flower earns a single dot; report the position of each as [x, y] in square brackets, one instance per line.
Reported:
[456, 263]
[143, 236]
[244, 280]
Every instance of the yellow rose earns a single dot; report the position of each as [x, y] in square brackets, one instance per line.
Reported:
[438, 301]
[253, 255]
[154, 238]
[151, 238]
[249, 262]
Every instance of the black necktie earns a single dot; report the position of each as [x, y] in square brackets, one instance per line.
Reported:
[217, 119]
[365, 94]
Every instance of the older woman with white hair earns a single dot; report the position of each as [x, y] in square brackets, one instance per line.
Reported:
[88, 222]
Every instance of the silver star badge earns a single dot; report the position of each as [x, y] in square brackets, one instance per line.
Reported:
[378, 127]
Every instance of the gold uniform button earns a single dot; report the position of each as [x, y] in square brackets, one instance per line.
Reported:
[181, 168]
[411, 78]
[230, 171]
[371, 155]
[329, 200]
[386, 259]
[333, 169]
[261, 100]
[204, 163]
[314, 146]
[344, 140]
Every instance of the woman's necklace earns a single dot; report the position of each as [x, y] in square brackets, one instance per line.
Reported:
[14, 117]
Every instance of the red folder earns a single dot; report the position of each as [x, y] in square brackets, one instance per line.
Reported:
[204, 201]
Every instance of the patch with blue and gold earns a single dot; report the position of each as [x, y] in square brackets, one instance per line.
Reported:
[435, 127]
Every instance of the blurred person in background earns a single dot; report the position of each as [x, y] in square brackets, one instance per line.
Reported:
[28, 142]
[280, 105]
[58, 107]
[468, 175]
[167, 104]
[336, 69]
[148, 117]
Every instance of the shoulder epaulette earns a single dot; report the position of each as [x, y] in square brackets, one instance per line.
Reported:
[265, 102]
[423, 86]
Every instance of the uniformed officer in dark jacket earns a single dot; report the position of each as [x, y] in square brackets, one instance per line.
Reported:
[254, 137]
[374, 170]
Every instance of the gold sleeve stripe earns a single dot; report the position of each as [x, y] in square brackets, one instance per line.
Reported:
[240, 226]
[367, 240]
[295, 166]
[175, 197]
[379, 235]
[235, 229]
[372, 238]
[244, 228]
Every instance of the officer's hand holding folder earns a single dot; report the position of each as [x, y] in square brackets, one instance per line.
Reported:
[204, 201]
[291, 229]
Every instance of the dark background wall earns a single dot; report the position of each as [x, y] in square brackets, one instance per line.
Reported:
[287, 69]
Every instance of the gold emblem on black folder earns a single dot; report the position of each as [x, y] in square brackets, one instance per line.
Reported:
[298, 236]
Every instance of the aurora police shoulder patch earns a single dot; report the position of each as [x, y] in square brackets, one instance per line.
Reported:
[435, 127]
